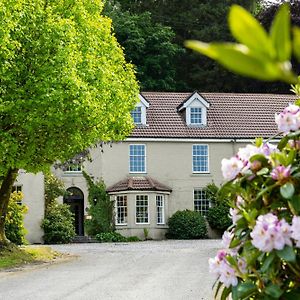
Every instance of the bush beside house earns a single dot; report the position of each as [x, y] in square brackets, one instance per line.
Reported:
[186, 224]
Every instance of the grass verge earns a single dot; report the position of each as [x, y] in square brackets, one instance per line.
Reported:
[16, 256]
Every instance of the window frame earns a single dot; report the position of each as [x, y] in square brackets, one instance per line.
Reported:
[124, 208]
[145, 160]
[202, 211]
[199, 114]
[207, 171]
[136, 210]
[160, 209]
[140, 114]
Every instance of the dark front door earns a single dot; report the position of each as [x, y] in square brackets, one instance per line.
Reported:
[75, 200]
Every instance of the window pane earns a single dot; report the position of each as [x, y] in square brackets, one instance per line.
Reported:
[137, 115]
[142, 210]
[200, 158]
[201, 203]
[137, 158]
[160, 211]
[121, 210]
[196, 115]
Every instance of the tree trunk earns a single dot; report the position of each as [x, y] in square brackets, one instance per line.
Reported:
[5, 191]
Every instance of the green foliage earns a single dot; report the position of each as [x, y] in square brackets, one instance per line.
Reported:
[115, 237]
[64, 82]
[260, 55]
[185, 225]
[58, 224]
[217, 215]
[262, 247]
[148, 45]
[54, 188]
[14, 225]
[101, 208]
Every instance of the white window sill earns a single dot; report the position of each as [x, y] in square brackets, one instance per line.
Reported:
[72, 173]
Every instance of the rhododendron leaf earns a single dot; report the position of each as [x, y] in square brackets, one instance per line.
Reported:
[218, 288]
[268, 261]
[283, 142]
[291, 156]
[241, 60]
[287, 190]
[291, 295]
[247, 30]
[259, 142]
[260, 158]
[231, 261]
[281, 34]
[287, 253]
[295, 134]
[263, 171]
[245, 289]
[274, 291]
[296, 42]
[225, 293]
[295, 202]
[234, 243]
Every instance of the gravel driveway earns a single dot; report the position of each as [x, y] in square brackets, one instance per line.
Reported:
[146, 270]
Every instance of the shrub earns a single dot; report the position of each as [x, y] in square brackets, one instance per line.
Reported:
[133, 239]
[58, 224]
[187, 224]
[14, 224]
[218, 216]
[107, 237]
[101, 208]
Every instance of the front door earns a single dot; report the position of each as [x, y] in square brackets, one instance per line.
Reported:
[75, 200]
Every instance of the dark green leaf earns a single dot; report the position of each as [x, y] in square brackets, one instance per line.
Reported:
[234, 243]
[293, 295]
[283, 143]
[296, 42]
[263, 171]
[273, 291]
[295, 202]
[225, 293]
[245, 289]
[280, 34]
[287, 190]
[247, 30]
[267, 262]
[231, 261]
[260, 158]
[287, 253]
[239, 59]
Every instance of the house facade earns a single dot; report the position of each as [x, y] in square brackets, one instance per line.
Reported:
[174, 151]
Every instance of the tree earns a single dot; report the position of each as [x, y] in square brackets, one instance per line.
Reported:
[64, 85]
[148, 45]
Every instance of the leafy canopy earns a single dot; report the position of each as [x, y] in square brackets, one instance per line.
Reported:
[64, 81]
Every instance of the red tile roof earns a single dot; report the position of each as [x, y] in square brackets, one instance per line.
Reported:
[138, 184]
[229, 116]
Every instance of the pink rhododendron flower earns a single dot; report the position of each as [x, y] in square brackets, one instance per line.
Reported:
[235, 215]
[289, 119]
[220, 267]
[296, 230]
[269, 233]
[280, 172]
[226, 240]
[231, 168]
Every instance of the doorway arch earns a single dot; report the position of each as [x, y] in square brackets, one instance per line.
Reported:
[75, 200]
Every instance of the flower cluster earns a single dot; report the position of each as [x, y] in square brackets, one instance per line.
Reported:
[262, 248]
[289, 119]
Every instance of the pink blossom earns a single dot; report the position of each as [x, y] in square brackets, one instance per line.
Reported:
[220, 267]
[296, 230]
[226, 241]
[235, 215]
[280, 172]
[231, 168]
[289, 119]
[269, 233]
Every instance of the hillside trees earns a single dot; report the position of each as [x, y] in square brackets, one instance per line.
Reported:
[64, 85]
[149, 45]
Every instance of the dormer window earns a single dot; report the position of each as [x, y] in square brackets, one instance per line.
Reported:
[196, 115]
[195, 110]
[139, 113]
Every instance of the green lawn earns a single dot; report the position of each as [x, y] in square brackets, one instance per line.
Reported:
[16, 256]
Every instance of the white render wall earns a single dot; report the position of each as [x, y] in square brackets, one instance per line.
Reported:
[33, 190]
[168, 162]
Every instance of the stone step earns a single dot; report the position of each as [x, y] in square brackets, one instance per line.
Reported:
[84, 239]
